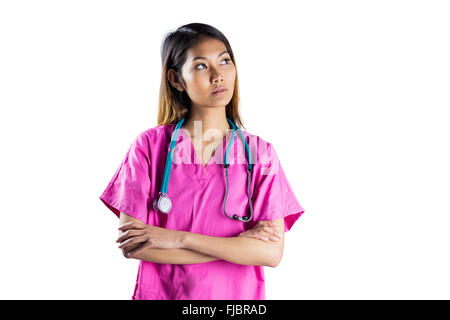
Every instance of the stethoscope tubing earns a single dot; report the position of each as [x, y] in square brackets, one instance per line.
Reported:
[168, 167]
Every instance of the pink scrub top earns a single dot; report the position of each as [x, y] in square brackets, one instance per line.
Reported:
[197, 194]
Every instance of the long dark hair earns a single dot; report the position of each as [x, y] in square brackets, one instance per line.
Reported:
[173, 104]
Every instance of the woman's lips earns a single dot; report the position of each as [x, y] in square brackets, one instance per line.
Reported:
[220, 91]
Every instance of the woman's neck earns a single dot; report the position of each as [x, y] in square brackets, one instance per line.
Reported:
[210, 121]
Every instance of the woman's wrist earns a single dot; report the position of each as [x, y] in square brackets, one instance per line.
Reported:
[183, 240]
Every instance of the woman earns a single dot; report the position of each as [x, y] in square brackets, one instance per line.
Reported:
[209, 241]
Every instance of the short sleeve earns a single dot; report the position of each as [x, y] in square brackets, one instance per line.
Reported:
[273, 197]
[129, 189]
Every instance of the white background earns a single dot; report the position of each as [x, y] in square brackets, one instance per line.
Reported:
[354, 95]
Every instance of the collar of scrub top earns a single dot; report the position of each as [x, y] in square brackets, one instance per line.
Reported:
[164, 204]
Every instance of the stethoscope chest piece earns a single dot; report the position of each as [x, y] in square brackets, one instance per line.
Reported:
[163, 203]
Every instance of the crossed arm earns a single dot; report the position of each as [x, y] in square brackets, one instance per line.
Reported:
[198, 248]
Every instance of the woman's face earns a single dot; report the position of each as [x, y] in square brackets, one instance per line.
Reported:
[208, 66]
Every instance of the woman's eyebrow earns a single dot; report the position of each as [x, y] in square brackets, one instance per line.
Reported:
[196, 58]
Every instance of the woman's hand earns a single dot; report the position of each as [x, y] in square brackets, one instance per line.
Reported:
[263, 230]
[137, 232]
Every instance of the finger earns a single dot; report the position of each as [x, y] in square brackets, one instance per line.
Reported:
[125, 224]
[272, 230]
[270, 237]
[266, 236]
[130, 233]
[135, 224]
[276, 234]
[261, 236]
[257, 234]
[274, 238]
[138, 249]
[133, 240]
[131, 225]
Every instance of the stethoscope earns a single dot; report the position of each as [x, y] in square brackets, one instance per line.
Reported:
[164, 204]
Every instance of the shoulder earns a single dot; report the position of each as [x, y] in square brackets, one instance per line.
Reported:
[157, 131]
[153, 136]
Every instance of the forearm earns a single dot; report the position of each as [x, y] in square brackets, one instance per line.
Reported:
[166, 256]
[173, 256]
[239, 250]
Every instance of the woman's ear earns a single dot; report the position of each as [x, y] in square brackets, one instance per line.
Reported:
[174, 80]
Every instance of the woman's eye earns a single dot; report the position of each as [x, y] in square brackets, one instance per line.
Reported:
[226, 59]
